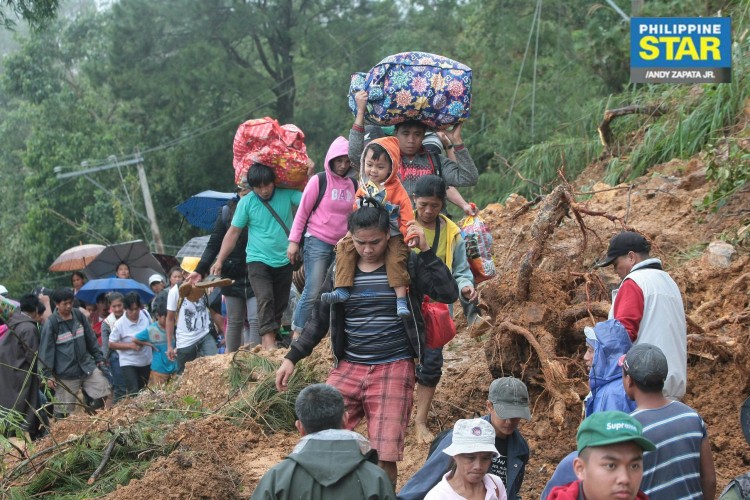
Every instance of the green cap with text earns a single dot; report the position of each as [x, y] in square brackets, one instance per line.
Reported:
[611, 427]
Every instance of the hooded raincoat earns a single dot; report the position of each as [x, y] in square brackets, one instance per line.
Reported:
[327, 464]
[605, 377]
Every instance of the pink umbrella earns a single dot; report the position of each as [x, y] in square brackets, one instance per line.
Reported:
[76, 258]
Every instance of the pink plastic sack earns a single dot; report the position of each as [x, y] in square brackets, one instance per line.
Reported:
[281, 147]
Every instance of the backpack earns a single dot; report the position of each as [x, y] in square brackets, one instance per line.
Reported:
[435, 163]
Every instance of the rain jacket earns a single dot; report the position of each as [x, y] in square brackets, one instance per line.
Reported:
[395, 194]
[327, 464]
[605, 378]
[328, 222]
[573, 491]
[19, 382]
[438, 463]
[429, 276]
[68, 349]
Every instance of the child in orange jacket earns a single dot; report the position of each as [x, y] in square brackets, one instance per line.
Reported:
[379, 180]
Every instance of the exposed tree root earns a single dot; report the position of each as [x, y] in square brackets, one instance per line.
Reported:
[605, 131]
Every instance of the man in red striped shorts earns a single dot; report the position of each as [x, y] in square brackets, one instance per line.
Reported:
[375, 349]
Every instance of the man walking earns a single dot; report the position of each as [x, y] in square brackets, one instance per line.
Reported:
[70, 356]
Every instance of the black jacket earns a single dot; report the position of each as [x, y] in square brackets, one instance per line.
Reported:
[234, 267]
[429, 276]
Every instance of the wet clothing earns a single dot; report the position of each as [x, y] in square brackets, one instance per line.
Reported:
[649, 305]
[158, 338]
[438, 463]
[325, 465]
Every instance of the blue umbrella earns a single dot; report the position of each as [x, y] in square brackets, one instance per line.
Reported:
[93, 288]
[201, 210]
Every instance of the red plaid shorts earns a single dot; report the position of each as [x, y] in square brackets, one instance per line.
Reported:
[383, 395]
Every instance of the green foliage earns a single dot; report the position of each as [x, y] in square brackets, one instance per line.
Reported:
[261, 402]
[35, 12]
[729, 168]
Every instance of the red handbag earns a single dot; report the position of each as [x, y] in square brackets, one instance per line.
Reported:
[438, 324]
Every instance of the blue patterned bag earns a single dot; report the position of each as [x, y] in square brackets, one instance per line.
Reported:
[415, 86]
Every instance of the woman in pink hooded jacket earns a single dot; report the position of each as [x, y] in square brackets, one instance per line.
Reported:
[322, 226]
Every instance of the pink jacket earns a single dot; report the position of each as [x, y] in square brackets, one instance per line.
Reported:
[328, 222]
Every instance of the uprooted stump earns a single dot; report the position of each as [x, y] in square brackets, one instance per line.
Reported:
[540, 313]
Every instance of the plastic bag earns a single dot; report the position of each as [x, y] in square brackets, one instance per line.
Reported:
[281, 147]
[478, 240]
[418, 86]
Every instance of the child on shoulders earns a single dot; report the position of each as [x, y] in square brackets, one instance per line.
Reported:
[379, 181]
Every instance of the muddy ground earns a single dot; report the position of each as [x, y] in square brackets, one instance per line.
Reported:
[217, 459]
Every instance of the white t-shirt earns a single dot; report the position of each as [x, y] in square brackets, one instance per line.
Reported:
[444, 491]
[193, 319]
[124, 331]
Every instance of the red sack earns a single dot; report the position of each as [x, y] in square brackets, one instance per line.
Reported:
[281, 147]
[438, 325]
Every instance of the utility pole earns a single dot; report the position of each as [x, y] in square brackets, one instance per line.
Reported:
[138, 161]
[149, 207]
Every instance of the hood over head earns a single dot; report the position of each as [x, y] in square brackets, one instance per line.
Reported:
[339, 147]
[612, 341]
[334, 454]
[394, 152]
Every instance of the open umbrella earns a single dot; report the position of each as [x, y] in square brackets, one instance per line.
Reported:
[76, 258]
[135, 254]
[194, 247]
[201, 210]
[93, 288]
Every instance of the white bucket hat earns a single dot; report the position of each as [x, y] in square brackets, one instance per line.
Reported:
[472, 436]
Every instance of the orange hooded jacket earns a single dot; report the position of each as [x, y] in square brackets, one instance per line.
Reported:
[394, 190]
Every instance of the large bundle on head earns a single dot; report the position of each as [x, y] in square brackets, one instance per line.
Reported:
[281, 147]
[418, 86]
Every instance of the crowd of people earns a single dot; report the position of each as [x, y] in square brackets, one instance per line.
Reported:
[372, 236]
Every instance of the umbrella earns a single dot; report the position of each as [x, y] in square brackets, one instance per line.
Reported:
[135, 254]
[167, 261]
[194, 247]
[201, 210]
[93, 288]
[76, 258]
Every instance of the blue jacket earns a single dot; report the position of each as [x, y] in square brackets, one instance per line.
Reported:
[437, 464]
[605, 377]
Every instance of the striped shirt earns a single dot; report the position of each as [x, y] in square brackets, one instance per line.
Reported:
[672, 471]
[375, 333]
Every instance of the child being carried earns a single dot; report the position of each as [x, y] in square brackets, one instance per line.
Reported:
[379, 180]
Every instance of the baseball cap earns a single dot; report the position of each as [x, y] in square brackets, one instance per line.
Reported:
[611, 427]
[621, 244]
[372, 132]
[155, 278]
[646, 364]
[471, 436]
[510, 398]
[189, 263]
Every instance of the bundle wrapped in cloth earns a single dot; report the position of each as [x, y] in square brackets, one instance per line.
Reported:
[281, 147]
[418, 86]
